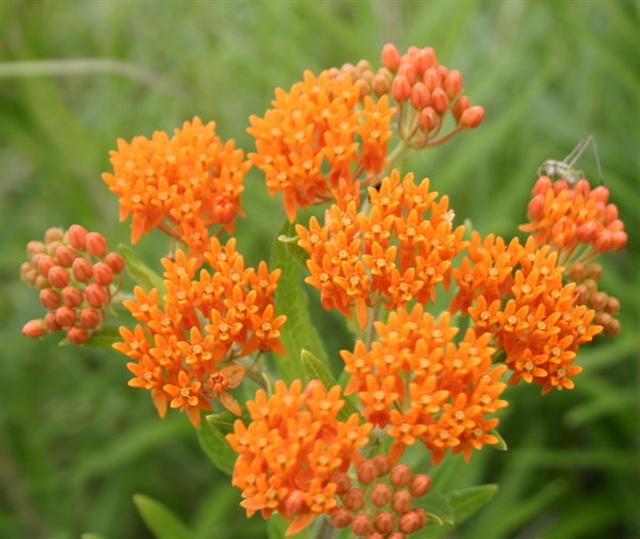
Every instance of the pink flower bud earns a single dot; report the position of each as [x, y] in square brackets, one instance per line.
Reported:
[400, 475]
[361, 525]
[51, 322]
[115, 262]
[49, 298]
[400, 88]
[472, 117]
[340, 518]
[77, 235]
[35, 248]
[96, 244]
[367, 472]
[45, 263]
[77, 335]
[102, 274]
[439, 101]
[420, 485]
[420, 96]
[453, 84]
[428, 119]
[409, 523]
[390, 57]
[58, 277]
[53, 234]
[381, 495]
[402, 501]
[295, 503]
[65, 255]
[462, 104]
[82, 269]
[34, 328]
[96, 295]
[90, 318]
[383, 522]
[65, 316]
[354, 499]
[72, 296]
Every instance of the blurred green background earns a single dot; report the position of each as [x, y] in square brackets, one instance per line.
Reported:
[76, 442]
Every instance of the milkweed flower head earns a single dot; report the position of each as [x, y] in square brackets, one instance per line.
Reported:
[188, 347]
[183, 184]
[317, 133]
[295, 449]
[421, 386]
[77, 277]
[395, 252]
[516, 293]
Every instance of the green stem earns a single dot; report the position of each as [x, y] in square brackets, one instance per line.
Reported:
[325, 530]
[395, 155]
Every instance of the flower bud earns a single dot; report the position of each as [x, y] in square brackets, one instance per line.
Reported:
[375, 535]
[594, 271]
[28, 272]
[58, 277]
[535, 208]
[472, 117]
[443, 71]
[49, 298]
[400, 88]
[102, 273]
[96, 244]
[409, 523]
[431, 79]
[53, 234]
[295, 503]
[77, 335]
[428, 119]
[65, 316]
[613, 306]
[603, 319]
[35, 248]
[341, 481]
[340, 517]
[390, 57]
[401, 502]
[34, 328]
[420, 96]
[381, 495]
[396, 535]
[382, 464]
[383, 522]
[440, 101]
[353, 499]
[361, 525]
[453, 84]
[51, 322]
[400, 475]
[380, 85]
[96, 295]
[577, 271]
[461, 105]
[612, 328]
[586, 232]
[41, 281]
[618, 240]
[90, 318]
[420, 485]
[44, 264]
[425, 58]
[603, 241]
[223, 210]
[72, 296]
[77, 236]
[601, 194]
[408, 71]
[367, 472]
[64, 255]
[582, 187]
[82, 269]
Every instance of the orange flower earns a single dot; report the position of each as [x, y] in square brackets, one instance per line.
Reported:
[183, 184]
[309, 140]
[188, 343]
[292, 449]
[393, 251]
[420, 385]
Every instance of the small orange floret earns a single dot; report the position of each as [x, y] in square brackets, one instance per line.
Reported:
[182, 184]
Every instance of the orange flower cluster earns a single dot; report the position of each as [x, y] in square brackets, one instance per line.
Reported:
[181, 184]
[77, 278]
[568, 215]
[393, 252]
[432, 90]
[290, 453]
[315, 135]
[516, 294]
[418, 384]
[382, 504]
[187, 347]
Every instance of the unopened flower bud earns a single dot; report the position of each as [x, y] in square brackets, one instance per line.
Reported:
[431, 79]
[77, 335]
[453, 84]
[582, 187]
[58, 277]
[340, 518]
[443, 72]
[577, 271]
[611, 213]
[311, 387]
[396, 535]
[375, 535]
[420, 485]
[401, 502]
[603, 319]
[612, 328]
[428, 119]
[64, 255]
[102, 273]
[380, 85]
[472, 117]
[51, 322]
[65, 316]
[383, 522]
[409, 523]
[90, 318]
[223, 210]
[542, 185]
[461, 105]
[342, 482]
[367, 472]
[382, 464]
[400, 88]
[535, 208]
[601, 194]
[613, 306]
[45, 263]
[77, 235]
[53, 234]
[586, 232]
[82, 269]
[599, 301]
[440, 101]
[400, 475]
[381, 495]
[603, 241]
[49, 298]
[390, 57]
[27, 272]
[425, 58]
[420, 96]
[72, 296]
[295, 503]
[96, 244]
[35, 248]
[559, 186]
[41, 281]
[618, 240]
[362, 525]
[34, 328]
[353, 499]
[96, 295]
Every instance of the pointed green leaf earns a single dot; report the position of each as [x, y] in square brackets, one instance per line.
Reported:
[103, 338]
[294, 250]
[501, 445]
[466, 502]
[438, 507]
[160, 520]
[213, 443]
[292, 300]
[142, 274]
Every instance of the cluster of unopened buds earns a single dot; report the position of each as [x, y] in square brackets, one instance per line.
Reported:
[382, 251]
[77, 277]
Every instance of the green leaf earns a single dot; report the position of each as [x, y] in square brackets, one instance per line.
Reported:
[213, 443]
[316, 369]
[277, 528]
[466, 502]
[142, 274]
[88, 535]
[160, 520]
[294, 250]
[104, 338]
[501, 445]
[292, 300]
[438, 507]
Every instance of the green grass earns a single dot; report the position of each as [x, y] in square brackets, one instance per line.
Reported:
[76, 443]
